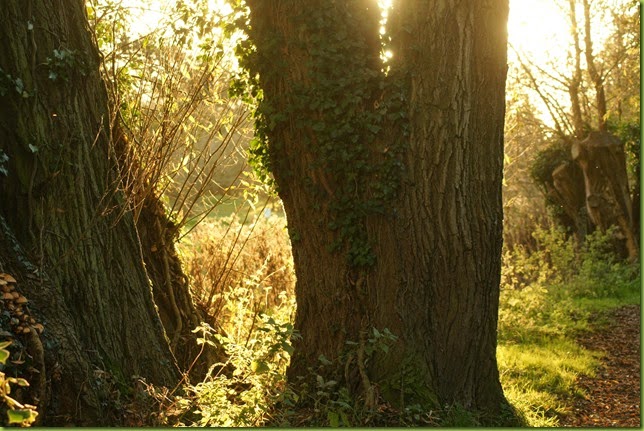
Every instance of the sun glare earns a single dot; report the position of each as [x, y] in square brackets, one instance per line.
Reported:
[538, 29]
[147, 15]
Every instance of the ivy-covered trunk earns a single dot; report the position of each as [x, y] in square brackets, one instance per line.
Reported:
[390, 176]
[69, 242]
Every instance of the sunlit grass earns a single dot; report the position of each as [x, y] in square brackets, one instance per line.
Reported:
[547, 301]
[539, 377]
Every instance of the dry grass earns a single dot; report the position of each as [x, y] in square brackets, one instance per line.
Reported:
[231, 262]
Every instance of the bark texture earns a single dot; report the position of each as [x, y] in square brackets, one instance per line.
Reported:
[171, 291]
[602, 159]
[60, 199]
[568, 190]
[326, 284]
[452, 212]
[434, 279]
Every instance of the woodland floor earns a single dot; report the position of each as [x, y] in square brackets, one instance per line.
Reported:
[613, 395]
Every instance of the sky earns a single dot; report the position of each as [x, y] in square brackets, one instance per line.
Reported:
[537, 27]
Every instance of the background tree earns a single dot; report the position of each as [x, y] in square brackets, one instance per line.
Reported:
[579, 96]
[390, 176]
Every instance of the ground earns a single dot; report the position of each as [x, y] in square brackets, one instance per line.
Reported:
[613, 394]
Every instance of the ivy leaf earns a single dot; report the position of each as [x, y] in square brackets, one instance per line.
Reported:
[22, 416]
[19, 382]
[20, 86]
[323, 360]
[4, 355]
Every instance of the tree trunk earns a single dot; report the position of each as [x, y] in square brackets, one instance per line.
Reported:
[595, 75]
[451, 213]
[87, 282]
[574, 87]
[391, 183]
[568, 190]
[601, 157]
[171, 291]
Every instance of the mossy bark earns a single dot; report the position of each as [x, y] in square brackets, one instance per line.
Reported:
[85, 275]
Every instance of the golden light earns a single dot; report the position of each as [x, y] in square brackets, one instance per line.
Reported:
[147, 14]
[538, 29]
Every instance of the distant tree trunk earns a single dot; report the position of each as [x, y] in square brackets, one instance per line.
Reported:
[601, 157]
[392, 188]
[80, 262]
[568, 190]
[574, 86]
[595, 74]
[636, 200]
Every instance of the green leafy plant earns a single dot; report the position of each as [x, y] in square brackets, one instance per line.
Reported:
[63, 63]
[244, 396]
[17, 413]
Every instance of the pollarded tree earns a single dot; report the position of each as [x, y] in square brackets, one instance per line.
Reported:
[390, 174]
[66, 235]
[599, 86]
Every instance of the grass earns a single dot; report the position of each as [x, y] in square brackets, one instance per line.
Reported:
[546, 302]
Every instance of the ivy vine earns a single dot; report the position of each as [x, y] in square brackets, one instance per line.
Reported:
[345, 108]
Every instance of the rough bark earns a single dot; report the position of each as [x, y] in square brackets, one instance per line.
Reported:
[602, 159]
[434, 281]
[568, 190]
[452, 212]
[325, 283]
[171, 291]
[60, 200]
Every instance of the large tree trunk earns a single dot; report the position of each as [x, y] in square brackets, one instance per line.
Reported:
[392, 188]
[87, 283]
[452, 241]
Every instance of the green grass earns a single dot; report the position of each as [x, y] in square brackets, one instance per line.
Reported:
[539, 377]
[547, 301]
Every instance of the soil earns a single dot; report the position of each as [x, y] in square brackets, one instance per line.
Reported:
[613, 394]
